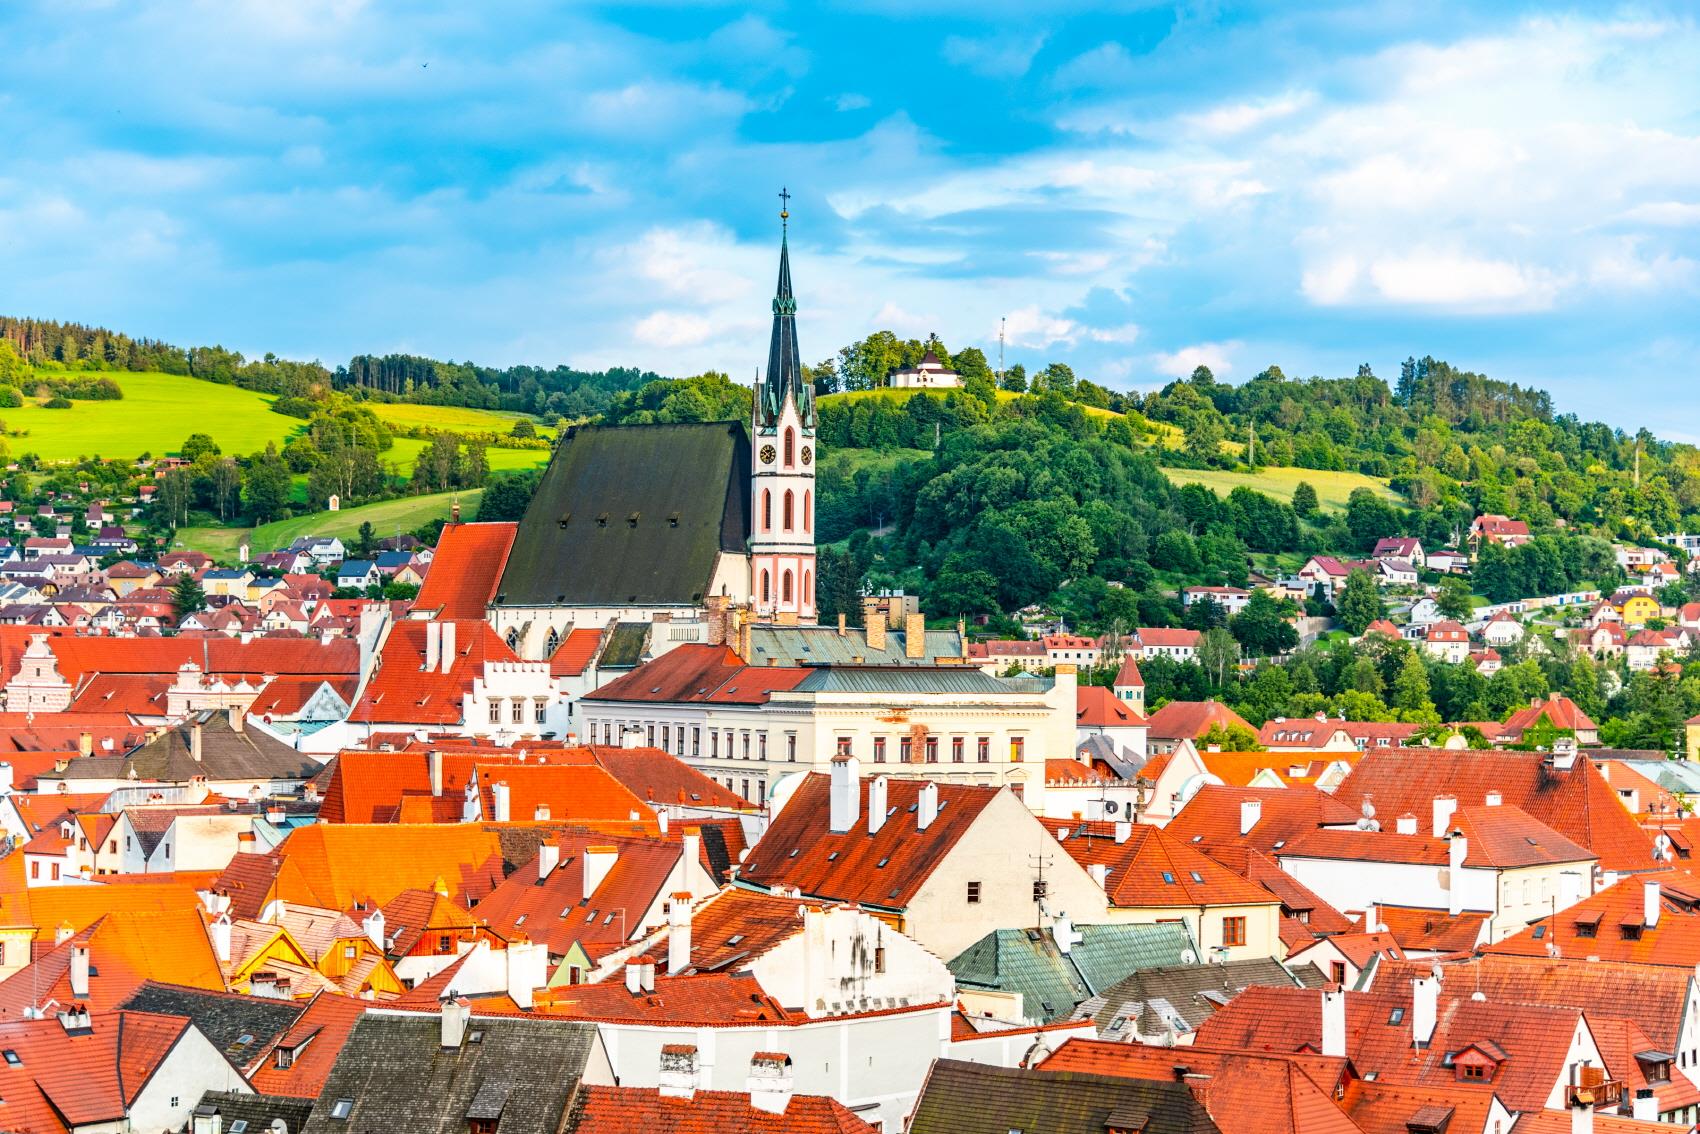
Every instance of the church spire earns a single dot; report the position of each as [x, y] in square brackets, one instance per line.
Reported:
[784, 378]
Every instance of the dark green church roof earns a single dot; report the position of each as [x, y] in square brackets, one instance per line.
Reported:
[632, 515]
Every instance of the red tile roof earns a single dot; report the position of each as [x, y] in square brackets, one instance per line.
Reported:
[1502, 837]
[1577, 802]
[1436, 931]
[62, 1081]
[315, 1039]
[1557, 708]
[575, 653]
[468, 565]
[1211, 818]
[1188, 720]
[1128, 675]
[1097, 707]
[403, 692]
[885, 869]
[697, 674]
[1153, 868]
[643, 1110]
[125, 951]
[707, 999]
[1611, 925]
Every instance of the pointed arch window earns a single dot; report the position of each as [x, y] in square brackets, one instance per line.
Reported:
[790, 448]
[808, 586]
[551, 643]
[785, 587]
[513, 639]
[808, 509]
[766, 587]
[790, 509]
[766, 510]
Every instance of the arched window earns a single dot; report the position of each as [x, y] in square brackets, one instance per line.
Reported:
[808, 586]
[790, 447]
[551, 643]
[808, 509]
[766, 510]
[766, 588]
[513, 638]
[785, 587]
[790, 508]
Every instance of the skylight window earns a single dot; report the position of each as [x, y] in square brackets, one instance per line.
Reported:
[12, 1059]
[882, 862]
[1396, 1016]
[237, 1126]
[833, 857]
[342, 1108]
[734, 939]
[1168, 879]
[1196, 876]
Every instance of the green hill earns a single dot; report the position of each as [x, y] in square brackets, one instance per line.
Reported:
[1332, 488]
[387, 516]
[156, 414]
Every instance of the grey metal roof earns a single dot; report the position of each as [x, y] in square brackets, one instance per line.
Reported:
[1053, 983]
[973, 1098]
[803, 645]
[255, 1112]
[226, 754]
[1186, 993]
[909, 679]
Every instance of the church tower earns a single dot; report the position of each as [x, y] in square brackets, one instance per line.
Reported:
[782, 489]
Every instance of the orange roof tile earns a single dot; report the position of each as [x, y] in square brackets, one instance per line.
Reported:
[125, 951]
[1153, 868]
[315, 1041]
[337, 866]
[60, 1081]
[643, 1110]
[1212, 817]
[1097, 707]
[465, 570]
[1189, 720]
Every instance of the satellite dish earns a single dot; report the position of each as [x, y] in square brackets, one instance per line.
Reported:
[1188, 957]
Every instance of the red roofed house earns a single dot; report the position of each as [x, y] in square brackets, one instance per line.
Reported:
[1150, 876]
[1557, 710]
[463, 576]
[452, 676]
[945, 863]
[1493, 858]
[1099, 712]
[1498, 529]
[1406, 548]
[1188, 720]
[1447, 641]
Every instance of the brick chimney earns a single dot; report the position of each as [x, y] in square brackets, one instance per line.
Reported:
[598, 861]
[770, 1082]
[915, 636]
[846, 794]
[678, 933]
[677, 1077]
[873, 624]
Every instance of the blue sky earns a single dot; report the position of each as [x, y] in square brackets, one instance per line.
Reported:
[1134, 188]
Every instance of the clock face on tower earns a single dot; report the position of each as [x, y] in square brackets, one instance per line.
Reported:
[768, 453]
[808, 454]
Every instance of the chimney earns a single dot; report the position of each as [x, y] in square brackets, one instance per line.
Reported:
[1406, 824]
[434, 760]
[220, 931]
[448, 660]
[846, 796]
[456, 1011]
[1650, 904]
[548, 857]
[877, 805]
[1444, 806]
[873, 625]
[527, 970]
[500, 810]
[1369, 923]
[678, 934]
[1645, 1108]
[1493, 799]
[373, 924]
[770, 1082]
[85, 744]
[926, 806]
[843, 625]
[1063, 934]
[915, 636]
[195, 742]
[1457, 850]
[1124, 831]
[598, 861]
[1251, 810]
[6, 781]
[79, 971]
[690, 847]
[1334, 1023]
[1099, 873]
[1425, 1004]
[64, 933]
[237, 718]
[433, 645]
[634, 975]
[678, 1074]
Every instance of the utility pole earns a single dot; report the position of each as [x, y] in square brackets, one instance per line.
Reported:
[1251, 445]
[1039, 862]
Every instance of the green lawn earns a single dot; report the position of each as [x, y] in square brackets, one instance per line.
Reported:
[406, 450]
[854, 460]
[386, 516]
[457, 419]
[156, 414]
[1332, 488]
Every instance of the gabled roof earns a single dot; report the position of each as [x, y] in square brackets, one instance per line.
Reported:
[1128, 675]
[314, 1042]
[339, 865]
[466, 569]
[125, 951]
[243, 1027]
[1053, 982]
[1558, 709]
[1150, 1000]
[62, 1081]
[886, 869]
[1611, 925]
[703, 999]
[631, 515]
[1188, 720]
[695, 673]
[1575, 802]
[402, 691]
[1153, 868]
[1097, 707]
[227, 753]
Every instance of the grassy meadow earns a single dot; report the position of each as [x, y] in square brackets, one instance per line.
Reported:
[405, 513]
[1332, 488]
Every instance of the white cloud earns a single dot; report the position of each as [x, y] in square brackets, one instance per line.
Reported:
[1237, 118]
[1032, 327]
[1447, 279]
[1178, 364]
[892, 317]
[670, 330]
[994, 57]
[1107, 65]
[850, 100]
